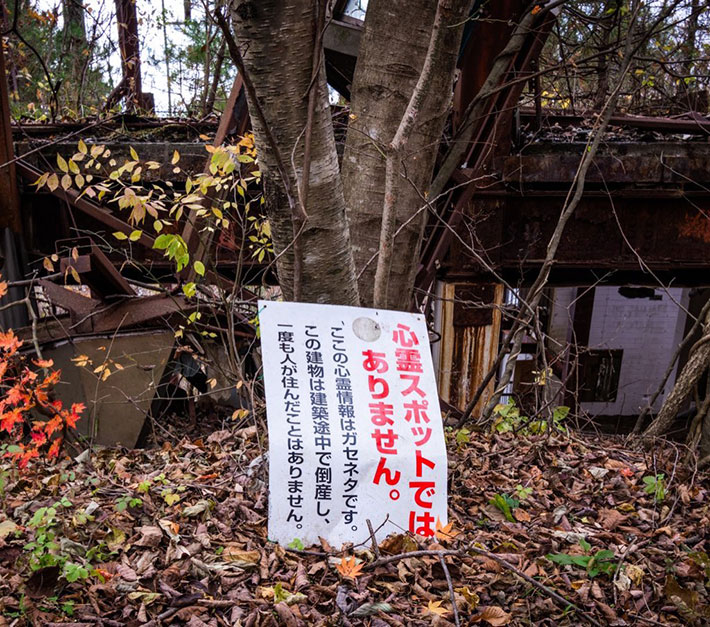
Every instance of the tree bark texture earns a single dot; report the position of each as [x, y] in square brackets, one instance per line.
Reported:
[392, 54]
[697, 363]
[276, 39]
[73, 47]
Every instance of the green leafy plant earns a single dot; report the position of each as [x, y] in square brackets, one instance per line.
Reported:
[505, 504]
[522, 493]
[296, 544]
[510, 420]
[603, 561]
[655, 486]
[127, 501]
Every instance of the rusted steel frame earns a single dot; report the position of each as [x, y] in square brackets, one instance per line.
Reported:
[226, 120]
[693, 126]
[190, 233]
[499, 106]
[9, 191]
[97, 271]
[90, 208]
[485, 36]
[91, 315]
[127, 122]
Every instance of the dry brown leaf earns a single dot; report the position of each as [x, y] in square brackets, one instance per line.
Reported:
[492, 614]
[610, 519]
[242, 559]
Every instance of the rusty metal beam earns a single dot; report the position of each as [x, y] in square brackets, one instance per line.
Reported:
[492, 134]
[604, 240]
[9, 193]
[695, 126]
[83, 204]
[96, 270]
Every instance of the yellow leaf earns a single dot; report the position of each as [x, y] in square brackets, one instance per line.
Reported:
[176, 157]
[119, 235]
[171, 498]
[66, 182]
[82, 147]
[134, 154]
[62, 163]
[349, 567]
[135, 236]
[48, 265]
[53, 182]
[471, 597]
[239, 414]
[73, 167]
[434, 607]
[75, 253]
[41, 180]
[81, 360]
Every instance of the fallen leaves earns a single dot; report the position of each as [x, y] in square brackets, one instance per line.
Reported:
[434, 608]
[493, 615]
[208, 556]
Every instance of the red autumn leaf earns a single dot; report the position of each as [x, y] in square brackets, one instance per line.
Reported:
[38, 437]
[54, 449]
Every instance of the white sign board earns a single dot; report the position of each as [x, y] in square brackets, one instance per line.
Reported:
[355, 428]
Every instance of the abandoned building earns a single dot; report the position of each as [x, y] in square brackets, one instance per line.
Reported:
[630, 274]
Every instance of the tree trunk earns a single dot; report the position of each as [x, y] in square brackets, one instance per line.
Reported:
[606, 25]
[216, 77]
[392, 54]
[128, 43]
[276, 39]
[74, 46]
[697, 363]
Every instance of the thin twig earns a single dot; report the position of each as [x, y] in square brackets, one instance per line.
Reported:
[442, 561]
[375, 548]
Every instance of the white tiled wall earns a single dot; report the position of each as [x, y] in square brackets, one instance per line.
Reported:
[648, 331]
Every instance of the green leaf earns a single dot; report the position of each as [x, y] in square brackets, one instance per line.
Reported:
[199, 268]
[560, 558]
[135, 236]
[584, 544]
[119, 235]
[296, 544]
[189, 289]
[163, 241]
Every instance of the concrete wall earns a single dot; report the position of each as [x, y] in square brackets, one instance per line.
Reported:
[648, 331]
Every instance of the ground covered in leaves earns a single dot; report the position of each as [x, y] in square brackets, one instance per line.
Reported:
[548, 531]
